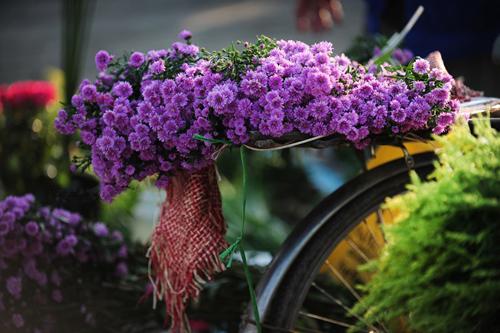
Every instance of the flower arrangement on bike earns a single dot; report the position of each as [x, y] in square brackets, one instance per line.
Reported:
[170, 112]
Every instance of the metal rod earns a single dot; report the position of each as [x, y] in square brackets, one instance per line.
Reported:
[342, 280]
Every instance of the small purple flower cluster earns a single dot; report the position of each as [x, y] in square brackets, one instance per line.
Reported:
[402, 56]
[301, 87]
[141, 125]
[39, 252]
[139, 118]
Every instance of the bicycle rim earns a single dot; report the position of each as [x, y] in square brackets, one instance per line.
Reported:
[319, 285]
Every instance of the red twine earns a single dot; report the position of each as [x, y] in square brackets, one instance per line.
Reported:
[186, 242]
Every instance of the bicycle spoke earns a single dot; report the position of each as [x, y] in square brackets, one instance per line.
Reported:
[372, 233]
[330, 321]
[357, 249]
[306, 330]
[381, 221]
[339, 252]
[339, 302]
[339, 276]
[330, 296]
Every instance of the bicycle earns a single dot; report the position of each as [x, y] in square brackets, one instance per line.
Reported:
[339, 234]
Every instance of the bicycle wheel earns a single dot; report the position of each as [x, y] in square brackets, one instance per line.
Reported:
[310, 285]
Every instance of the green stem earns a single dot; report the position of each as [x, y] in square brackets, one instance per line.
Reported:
[202, 138]
[248, 275]
[243, 157]
[227, 254]
[253, 297]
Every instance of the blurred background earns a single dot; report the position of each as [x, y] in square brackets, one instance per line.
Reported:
[30, 25]
[34, 44]
[56, 40]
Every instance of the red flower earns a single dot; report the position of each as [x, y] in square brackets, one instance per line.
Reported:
[27, 94]
[3, 89]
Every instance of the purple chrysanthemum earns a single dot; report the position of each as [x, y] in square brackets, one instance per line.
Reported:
[32, 228]
[17, 320]
[121, 270]
[122, 89]
[136, 59]
[421, 66]
[89, 92]
[14, 286]
[398, 115]
[185, 34]
[63, 248]
[72, 240]
[445, 119]
[157, 67]
[101, 230]
[102, 59]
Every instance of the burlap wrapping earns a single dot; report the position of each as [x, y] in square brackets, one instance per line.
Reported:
[186, 242]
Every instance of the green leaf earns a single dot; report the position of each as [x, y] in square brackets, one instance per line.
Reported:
[227, 255]
[202, 138]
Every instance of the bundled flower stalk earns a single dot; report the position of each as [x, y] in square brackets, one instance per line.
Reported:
[146, 113]
[49, 259]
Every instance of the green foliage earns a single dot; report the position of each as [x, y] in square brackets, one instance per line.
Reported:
[440, 270]
[362, 47]
[232, 62]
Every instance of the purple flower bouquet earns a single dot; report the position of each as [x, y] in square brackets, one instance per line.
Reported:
[140, 116]
[169, 113]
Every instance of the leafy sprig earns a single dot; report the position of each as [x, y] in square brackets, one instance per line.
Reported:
[234, 61]
[440, 267]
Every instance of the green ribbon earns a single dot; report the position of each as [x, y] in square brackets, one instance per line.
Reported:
[202, 138]
[227, 255]
[239, 241]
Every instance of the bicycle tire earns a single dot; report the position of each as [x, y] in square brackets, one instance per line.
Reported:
[285, 284]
